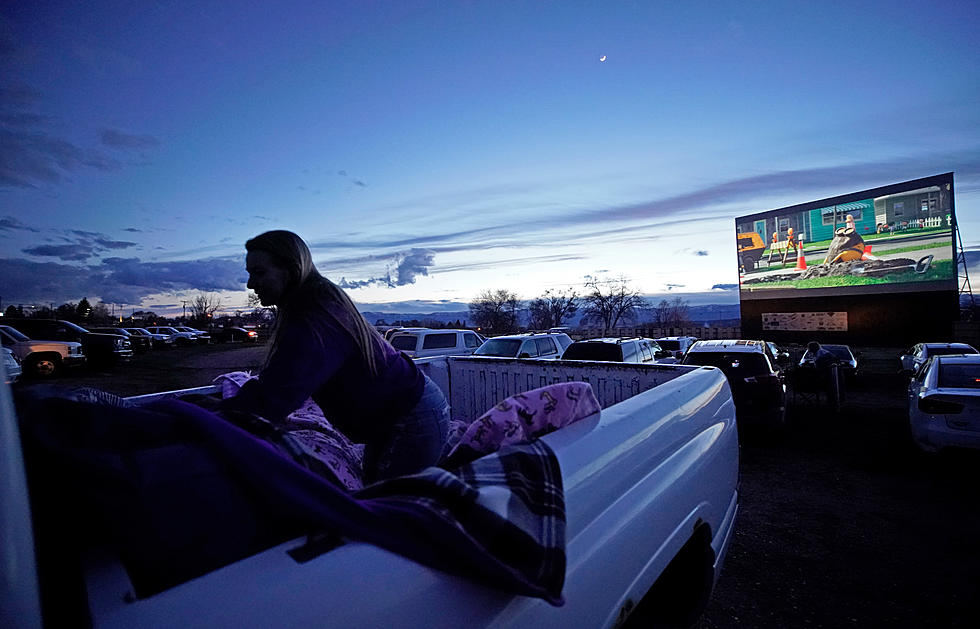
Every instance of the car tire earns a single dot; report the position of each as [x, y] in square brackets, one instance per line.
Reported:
[43, 366]
[182, 342]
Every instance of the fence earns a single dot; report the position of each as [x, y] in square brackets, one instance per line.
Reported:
[700, 332]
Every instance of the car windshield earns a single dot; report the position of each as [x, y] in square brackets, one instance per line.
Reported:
[593, 351]
[946, 351]
[959, 376]
[137, 331]
[671, 345]
[16, 334]
[499, 347]
[735, 364]
[405, 342]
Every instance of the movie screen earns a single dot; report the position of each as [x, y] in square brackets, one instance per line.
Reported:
[896, 238]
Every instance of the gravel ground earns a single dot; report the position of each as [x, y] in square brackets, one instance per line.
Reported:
[843, 523]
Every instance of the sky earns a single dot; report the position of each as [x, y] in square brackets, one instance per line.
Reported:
[430, 151]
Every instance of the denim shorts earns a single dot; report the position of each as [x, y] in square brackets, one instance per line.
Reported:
[416, 440]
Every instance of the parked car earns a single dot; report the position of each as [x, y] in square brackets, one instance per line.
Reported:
[156, 340]
[847, 362]
[41, 359]
[544, 345]
[204, 338]
[139, 343]
[426, 342]
[758, 383]
[677, 345]
[921, 352]
[234, 334]
[11, 366]
[395, 330]
[101, 349]
[620, 350]
[944, 402]
[180, 339]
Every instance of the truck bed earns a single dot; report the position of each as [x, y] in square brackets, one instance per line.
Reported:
[655, 469]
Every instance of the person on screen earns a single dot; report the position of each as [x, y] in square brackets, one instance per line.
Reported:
[323, 348]
[790, 244]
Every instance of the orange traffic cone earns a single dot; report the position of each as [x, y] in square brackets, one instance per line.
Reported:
[800, 259]
[867, 253]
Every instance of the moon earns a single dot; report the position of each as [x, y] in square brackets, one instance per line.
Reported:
[602, 58]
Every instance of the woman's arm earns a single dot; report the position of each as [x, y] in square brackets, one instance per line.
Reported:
[301, 363]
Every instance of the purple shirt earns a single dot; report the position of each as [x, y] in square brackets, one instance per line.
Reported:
[319, 359]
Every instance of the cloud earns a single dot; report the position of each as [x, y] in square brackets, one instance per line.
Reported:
[115, 280]
[9, 223]
[120, 140]
[724, 287]
[31, 155]
[648, 219]
[407, 267]
[671, 287]
[84, 245]
[413, 264]
[68, 253]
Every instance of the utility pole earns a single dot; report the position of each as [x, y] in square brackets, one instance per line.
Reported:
[183, 305]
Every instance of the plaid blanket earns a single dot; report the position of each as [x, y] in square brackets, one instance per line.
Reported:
[183, 491]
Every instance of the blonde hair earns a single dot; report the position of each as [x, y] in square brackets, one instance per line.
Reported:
[310, 294]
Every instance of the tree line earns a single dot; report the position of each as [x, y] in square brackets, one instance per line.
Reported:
[201, 309]
[606, 303]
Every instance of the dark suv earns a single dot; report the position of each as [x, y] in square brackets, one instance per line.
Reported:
[103, 350]
[757, 382]
[619, 350]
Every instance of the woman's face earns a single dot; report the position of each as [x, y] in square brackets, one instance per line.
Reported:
[266, 277]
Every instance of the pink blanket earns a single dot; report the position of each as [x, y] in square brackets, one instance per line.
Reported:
[523, 417]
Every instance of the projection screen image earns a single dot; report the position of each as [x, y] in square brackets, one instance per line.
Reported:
[896, 238]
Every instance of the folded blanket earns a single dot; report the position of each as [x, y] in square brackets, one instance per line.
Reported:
[523, 417]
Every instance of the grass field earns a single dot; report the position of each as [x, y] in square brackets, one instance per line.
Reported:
[939, 271]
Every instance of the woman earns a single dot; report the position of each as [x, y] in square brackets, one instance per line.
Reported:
[323, 348]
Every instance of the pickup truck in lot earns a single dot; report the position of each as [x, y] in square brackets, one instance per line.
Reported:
[101, 350]
[42, 359]
[650, 488]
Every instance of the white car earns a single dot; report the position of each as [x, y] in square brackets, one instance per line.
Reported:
[921, 352]
[944, 402]
[425, 342]
[544, 345]
[182, 339]
[11, 366]
[203, 337]
[620, 350]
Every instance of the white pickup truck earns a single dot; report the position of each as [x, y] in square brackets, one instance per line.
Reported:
[651, 498]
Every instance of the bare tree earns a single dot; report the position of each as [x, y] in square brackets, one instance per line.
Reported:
[661, 314]
[679, 312]
[553, 308]
[495, 311]
[610, 301]
[205, 305]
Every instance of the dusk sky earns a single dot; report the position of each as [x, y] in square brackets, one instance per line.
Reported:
[428, 151]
